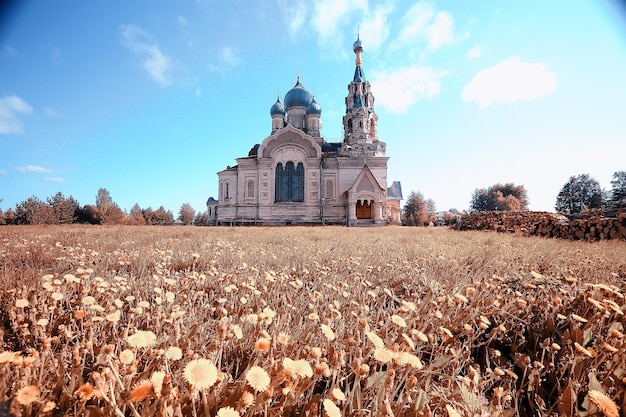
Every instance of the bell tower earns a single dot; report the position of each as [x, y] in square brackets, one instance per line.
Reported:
[359, 123]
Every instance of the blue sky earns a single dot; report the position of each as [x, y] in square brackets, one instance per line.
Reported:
[150, 99]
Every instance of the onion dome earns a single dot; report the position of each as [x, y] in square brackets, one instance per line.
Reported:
[277, 109]
[357, 46]
[313, 108]
[298, 96]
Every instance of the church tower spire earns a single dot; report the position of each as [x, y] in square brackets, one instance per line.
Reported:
[359, 122]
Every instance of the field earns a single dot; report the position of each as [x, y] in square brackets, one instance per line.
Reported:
[182, 321]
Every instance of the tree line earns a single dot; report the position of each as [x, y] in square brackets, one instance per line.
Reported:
[579, 194]
[59, 209]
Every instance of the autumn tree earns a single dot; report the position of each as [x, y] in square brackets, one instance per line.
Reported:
[618, 192]
[507, 197]
[162, 217]
[33, 211]
[65, 209]
[107, 211]
[431, 211]
[579, 194]
[201, 219]
[414, 212]
[136, 216]
[186, 214]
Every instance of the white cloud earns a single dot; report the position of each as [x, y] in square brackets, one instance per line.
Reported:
[421, 23]
[33, 169]
[375, 27]
[158, 65]
[475, 52]
[400, 89]
[12, 109]
[228, 57]
[54, 179]
[328, 18]
[294, 15]
[508, 81]
[3, 173]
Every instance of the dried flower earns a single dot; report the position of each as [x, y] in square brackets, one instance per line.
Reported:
[174, 353]
[88, 300]
[258, 378]
[21, 303]
[375, 339]
[27, 395]
[331, 409]
[398, 320]
[85, 392]
[247, 399]
[114, 317]
[201, 374]
[141, 391]
[383, 355]
[300, 367]
[227, 412]
[127, 357]
[604, 403]
[157, 382]
[283, 338]
[337, 394]
[262, 344]
[328, 332]
[142, 339]
[56, 296]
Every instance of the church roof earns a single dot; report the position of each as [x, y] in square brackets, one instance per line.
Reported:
[394, 192]
[277, 108]
[298, 96]
[314, 107]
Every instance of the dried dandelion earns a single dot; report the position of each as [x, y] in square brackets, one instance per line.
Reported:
[127, 356]
[247, 399]
[227, 412]
[85, 392]
[604, 403]
[174, 353]
[157, 382]
[141, 391]
[21, 303]
[142, 339]
[398, 320]
[331, 409]
[27, 395]
[337, 394]
[328, 332]
[375, 339]
[258, 378]
[200, 374]
[283, 338]
[262, 344]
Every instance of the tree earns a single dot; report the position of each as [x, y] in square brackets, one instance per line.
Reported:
[579, 194]
[431, 211]
[414, 211]
[107, 212]
[618, 192]
[9, 216]
[507, 197]
[65, 210]
[202, 218]
[137, 216]
[186, 214]
[163, 217]
[33, 211]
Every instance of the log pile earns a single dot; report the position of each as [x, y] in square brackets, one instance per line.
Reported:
[591, 226]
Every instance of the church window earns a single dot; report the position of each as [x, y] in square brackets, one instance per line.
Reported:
[330, 189]
[221, 190]
[227, 187]
[250, 189]
[289, 182]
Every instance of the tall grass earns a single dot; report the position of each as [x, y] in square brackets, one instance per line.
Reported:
[308, 321]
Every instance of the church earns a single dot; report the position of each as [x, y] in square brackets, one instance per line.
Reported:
[296, 177]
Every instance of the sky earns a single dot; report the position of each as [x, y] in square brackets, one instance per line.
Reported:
[150, 99]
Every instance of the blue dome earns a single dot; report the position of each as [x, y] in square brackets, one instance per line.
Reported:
[298, 96]
[357, 46]
[313, 108]
[277, 109]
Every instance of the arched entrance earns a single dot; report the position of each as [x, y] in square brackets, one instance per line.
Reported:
[364, 209]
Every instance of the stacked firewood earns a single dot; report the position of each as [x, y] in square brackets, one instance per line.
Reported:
[589, 226]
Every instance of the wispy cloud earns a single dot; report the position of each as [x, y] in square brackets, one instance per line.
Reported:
[403, 87]
[54, 179]
[422, 23]
[228, 58]
[3, 173]
[475, 52]
[509, 81]
[375, 26]
[12, 110]
[50, 112]
[327, 20]
[294, 15]
[33, 169]
[157, 64]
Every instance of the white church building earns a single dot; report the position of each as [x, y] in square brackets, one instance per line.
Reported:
[296, 177]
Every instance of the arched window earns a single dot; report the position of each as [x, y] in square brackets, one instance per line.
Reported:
[330, 189]
[227, 196]
[221, 190]
[289, 182]
[250, 189]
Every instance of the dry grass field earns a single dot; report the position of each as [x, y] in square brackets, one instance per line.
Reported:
[181, 321]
